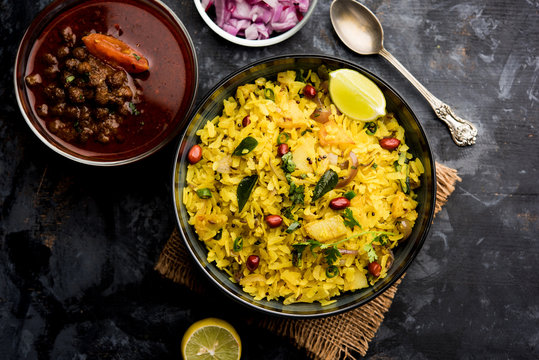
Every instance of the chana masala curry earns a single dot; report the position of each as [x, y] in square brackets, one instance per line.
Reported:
[108, 78]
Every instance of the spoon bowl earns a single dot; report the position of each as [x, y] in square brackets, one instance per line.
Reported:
[360, 30]
[357, 27]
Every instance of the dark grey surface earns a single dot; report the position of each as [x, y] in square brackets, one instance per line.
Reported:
[471, 293]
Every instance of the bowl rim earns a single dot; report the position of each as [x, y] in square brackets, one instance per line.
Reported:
[56, 5]
[254, 43]
[176, 163]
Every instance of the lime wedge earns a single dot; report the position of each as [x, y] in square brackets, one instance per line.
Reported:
[355, 95]
[211, 339]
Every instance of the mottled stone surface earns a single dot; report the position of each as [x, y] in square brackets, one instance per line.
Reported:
[471, 293]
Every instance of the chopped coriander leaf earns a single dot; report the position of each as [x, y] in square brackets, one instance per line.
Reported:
[297, 254]
[136, 56]
[370, 252]
[133, 109]
[288, 163]
[349, 219]
[297, 193]
[287, 213]
[331, 255]
[349, 195]
[374, 166]
[70, 78]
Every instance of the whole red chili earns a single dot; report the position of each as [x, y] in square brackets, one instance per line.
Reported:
[195, 154]
[283, 149]
[375, 269]
[252, 262]
[274, 221]
[389, 143]
[309, 91]
[339, 203]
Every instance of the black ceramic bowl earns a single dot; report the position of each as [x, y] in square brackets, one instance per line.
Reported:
[212, 106]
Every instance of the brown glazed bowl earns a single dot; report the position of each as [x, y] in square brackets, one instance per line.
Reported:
[168, 88]
[212, 106]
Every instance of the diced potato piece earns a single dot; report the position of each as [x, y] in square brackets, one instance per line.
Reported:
[333, 134]
[304, 151]
[207, 226]
[326, 229]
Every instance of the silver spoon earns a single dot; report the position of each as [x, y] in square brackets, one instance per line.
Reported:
[360, 30]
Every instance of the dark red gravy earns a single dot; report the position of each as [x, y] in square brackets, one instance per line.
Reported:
[165, 87]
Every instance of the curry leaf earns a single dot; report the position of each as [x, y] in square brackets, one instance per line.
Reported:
[245, 188]
[245, 146]
[327, 182]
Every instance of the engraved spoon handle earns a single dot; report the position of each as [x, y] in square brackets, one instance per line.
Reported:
[462, 131]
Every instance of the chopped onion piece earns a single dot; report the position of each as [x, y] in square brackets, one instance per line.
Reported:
[263, 16]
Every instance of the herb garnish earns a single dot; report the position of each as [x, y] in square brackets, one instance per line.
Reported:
[288, 164]
[245, 146]
[244, 190]
[332, 253]
[349, 195]
[136, 56]
[133, 109]
[297, 193]
[70, 78]
[349, 219]
[327, 182]
[293, 227]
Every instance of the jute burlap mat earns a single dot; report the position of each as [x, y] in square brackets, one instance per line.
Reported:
[320, 338]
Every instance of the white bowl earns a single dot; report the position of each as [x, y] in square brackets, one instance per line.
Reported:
[254, 43]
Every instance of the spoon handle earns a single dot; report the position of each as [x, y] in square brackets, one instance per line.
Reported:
[462, 131]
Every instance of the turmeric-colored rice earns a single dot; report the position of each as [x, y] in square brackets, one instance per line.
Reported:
[290, 269]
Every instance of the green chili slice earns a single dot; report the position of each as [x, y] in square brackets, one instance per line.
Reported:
[280, 138]
[332, 271]
[269, 94]
[238, 244]
[204, 193]
[371, 128]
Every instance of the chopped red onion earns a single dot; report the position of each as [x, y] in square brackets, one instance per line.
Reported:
[257, 19]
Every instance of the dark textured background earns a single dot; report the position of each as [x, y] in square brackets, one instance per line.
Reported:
[471, 293]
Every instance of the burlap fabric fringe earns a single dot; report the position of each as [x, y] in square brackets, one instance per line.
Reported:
[320, 338]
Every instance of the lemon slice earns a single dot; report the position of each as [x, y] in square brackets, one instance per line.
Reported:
[211, 339]
[355, 95]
